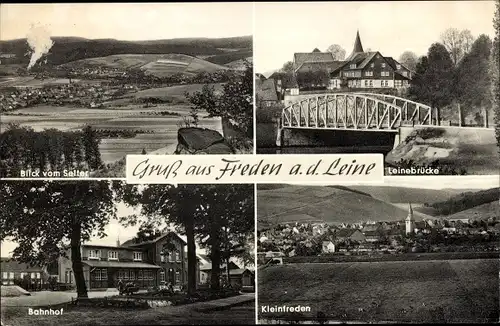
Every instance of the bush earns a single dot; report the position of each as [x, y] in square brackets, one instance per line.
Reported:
[428, 133]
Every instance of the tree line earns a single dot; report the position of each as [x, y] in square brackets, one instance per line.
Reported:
[47, 218]
[22, 148]
[456, 75]
[465, 201]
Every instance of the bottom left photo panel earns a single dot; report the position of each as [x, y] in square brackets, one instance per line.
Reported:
[106, 252]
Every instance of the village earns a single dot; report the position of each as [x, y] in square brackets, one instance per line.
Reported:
[383, 237]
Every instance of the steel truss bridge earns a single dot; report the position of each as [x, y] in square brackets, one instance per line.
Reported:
[357, 111]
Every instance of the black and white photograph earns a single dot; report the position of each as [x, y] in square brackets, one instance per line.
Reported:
[107, 253]
[83, 85]
[404, 251]
[416, 81]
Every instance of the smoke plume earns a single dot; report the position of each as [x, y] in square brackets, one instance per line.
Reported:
[40, 43]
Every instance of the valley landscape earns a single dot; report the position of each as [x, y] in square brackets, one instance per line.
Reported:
[132, 94]
[378, 253]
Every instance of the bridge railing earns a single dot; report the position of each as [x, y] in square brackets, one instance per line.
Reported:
[355, 111]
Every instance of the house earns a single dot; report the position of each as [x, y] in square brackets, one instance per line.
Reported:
[150, 263]
[349, 235]
[318, 70]
[12, 269]
[266, 92]
[327, 247]
[372, 236]
[238, 277]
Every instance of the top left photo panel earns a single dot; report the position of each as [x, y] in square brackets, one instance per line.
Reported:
[84, 85]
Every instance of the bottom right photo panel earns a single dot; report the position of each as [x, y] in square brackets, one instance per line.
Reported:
[410, 250]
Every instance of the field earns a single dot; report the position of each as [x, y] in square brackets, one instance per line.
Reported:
[403, 291]
[159, 131]
[160, 65]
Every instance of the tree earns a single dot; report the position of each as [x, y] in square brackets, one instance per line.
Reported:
[337, 51]
[46, 218]
[473, 76]
[234, 104]
[409, 59]
[458, 43]
[287, 67]
[433, 81]
[495, 67]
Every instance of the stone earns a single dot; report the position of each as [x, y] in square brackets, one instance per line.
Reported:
[201, 141]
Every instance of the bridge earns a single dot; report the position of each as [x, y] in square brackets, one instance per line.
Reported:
[355, 112]
[350, 111]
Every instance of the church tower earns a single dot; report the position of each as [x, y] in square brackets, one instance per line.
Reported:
[358, 48]
[410, 222]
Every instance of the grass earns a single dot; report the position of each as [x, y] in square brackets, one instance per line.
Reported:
[409, 291]
[82, 316]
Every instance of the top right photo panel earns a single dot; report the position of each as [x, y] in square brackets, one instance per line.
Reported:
[415, 81]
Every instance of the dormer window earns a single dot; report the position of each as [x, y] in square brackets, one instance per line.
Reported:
[383, 64]
[137, 256]
[372, 65]
[398, 66]
[353, 66]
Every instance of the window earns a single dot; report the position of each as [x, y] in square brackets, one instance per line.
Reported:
[170, 256]
[177, 256]
[366, 83]
[139, 275]
[112, 255]
[125, 275]
[151, 275]
[383, 64]
[132, 275]
[66, 277]
[37, 275]
[33, 275]
[371, 83]
[23, 275]
[405, 73]
[352, 66]
[104, 274]
[177, 277]
[368, 73]
[137, 255]
[294, 91]
[162, 276]
[162, 258]
[4, 275]
[97, 275]
[94, 254]
[372, 65]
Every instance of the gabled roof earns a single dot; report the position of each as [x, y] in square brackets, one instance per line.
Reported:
[345, 233]
[130, 243]
[12, 265]
[330, 66]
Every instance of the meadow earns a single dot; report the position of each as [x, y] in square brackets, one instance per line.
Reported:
[397, 291]
[157, 131]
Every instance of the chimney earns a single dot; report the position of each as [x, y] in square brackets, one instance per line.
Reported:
[118, 241]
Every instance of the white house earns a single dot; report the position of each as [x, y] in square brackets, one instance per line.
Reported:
[328, 247]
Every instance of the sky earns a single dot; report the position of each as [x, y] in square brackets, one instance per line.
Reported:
[390, 27]
[114, 230]
[129, 21]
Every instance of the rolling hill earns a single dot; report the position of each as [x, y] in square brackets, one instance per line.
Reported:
[407, 195]
[160, 65]
[326, 204]
[487, 210]
[67, 49]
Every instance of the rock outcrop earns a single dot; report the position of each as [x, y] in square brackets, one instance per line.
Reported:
[201, 141]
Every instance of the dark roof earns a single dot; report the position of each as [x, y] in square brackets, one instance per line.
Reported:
[371, 234]
[301, 57]
[267, 90]
[130, 243]
[330, 66]
[345, 232]
[11, 265]
[118, 264]
[239, 271]
[316, 50]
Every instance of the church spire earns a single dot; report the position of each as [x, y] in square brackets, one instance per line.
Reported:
[357, 44]
[410, 213]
